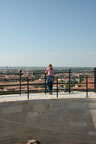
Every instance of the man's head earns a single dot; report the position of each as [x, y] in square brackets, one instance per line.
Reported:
[50, 65]
[33, 141]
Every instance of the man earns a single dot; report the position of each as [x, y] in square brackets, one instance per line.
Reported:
[50, 72]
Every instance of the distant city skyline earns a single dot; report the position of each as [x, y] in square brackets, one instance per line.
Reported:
[39, 32]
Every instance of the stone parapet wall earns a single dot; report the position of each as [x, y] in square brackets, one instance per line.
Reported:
[57, 121]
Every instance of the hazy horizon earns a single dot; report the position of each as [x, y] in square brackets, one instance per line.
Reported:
[41, 67]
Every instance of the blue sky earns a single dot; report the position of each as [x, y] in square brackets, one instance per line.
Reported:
[39, 32]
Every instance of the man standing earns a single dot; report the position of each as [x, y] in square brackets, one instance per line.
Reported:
[50, 78]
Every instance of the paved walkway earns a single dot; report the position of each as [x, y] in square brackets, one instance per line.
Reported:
[61, 95]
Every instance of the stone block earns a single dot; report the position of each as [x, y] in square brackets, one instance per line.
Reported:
[92, 133]
[41, 107]
[92, 105]
[12, 109]
[78, 106]
[33, 114]
[78, 124]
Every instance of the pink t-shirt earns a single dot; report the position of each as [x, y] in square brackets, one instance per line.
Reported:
[49, 71]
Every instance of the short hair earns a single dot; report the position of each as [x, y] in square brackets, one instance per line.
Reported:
[50, 65]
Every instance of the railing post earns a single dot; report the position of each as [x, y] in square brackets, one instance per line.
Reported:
[27, 88]
[57, 87]
[95, 79]
[87, 86]
[69, 80]
[20, 82]
[45, 84]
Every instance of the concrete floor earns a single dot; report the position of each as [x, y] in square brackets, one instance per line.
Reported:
[61, 95]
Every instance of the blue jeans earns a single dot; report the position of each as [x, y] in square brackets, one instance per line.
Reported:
[50, 83]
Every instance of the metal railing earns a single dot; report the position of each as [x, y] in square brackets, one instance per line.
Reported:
[69, 84]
